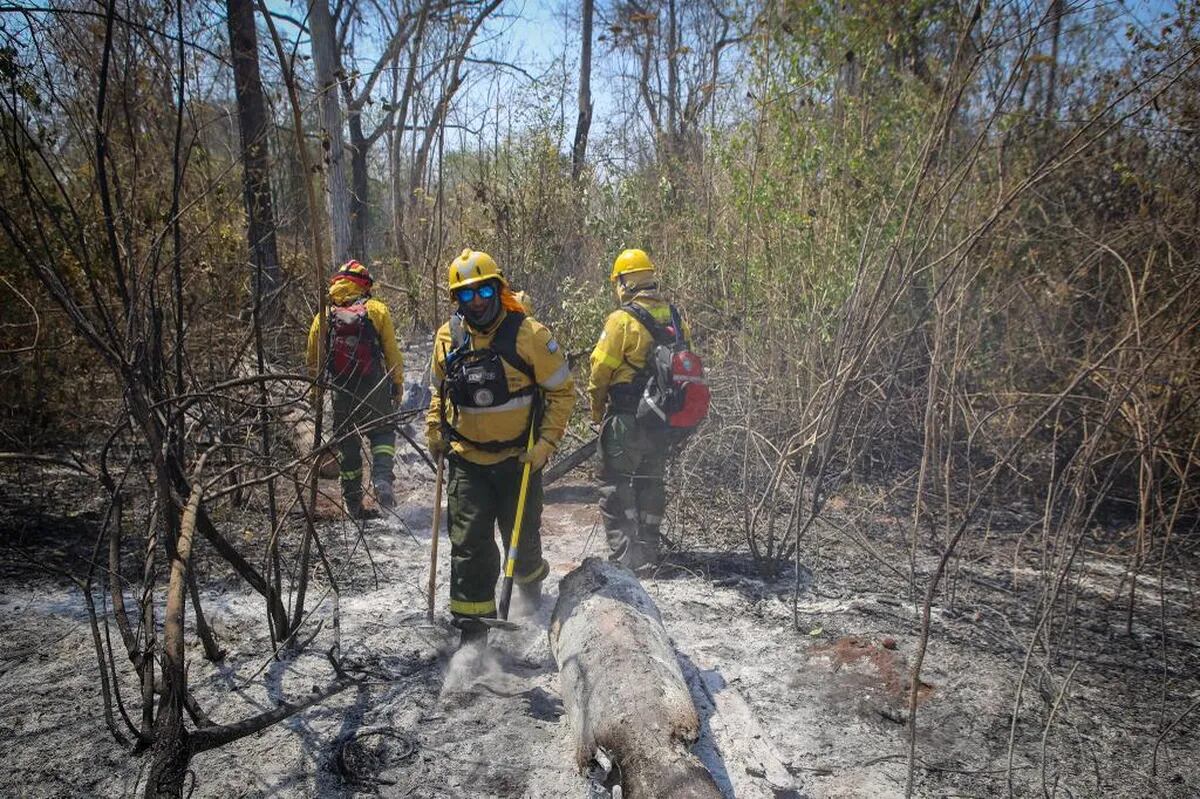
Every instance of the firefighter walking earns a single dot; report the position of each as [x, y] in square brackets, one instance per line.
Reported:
[365, 367]
[635, 445]
[497, 374]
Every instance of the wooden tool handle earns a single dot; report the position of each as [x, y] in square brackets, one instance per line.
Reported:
[433, 536]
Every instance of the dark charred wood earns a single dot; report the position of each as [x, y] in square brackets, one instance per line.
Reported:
[567, 463]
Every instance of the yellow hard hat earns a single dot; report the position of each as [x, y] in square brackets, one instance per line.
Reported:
[631, 261]
[473, 266]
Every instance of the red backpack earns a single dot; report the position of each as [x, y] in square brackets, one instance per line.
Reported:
[354, 351]
[676, 395]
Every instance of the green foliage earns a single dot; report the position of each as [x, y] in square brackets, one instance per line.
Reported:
[583, 307]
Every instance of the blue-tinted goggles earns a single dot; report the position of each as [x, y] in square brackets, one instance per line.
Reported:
[485, 292]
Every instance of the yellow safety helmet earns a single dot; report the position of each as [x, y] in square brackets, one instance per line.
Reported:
[631, 261]
[471, 267]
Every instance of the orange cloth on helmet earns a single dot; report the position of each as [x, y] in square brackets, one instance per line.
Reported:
[509, 300]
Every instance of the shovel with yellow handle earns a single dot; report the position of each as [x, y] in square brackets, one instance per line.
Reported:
[510, 562]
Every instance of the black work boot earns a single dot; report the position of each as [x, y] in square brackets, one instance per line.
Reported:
[354, 506]
[384, 495]
[649, 549]
[622, 545]
[474, 635]
[529, 597]
[626, 555]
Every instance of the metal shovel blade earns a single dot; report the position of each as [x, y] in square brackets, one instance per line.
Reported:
[499, 624]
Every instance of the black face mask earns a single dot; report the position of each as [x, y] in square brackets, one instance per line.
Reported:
[486, 317]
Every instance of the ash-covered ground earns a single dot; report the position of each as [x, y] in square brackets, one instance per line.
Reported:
[817, 709]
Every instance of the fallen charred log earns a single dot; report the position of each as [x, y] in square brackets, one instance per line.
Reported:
[622, 685]
[566, 463]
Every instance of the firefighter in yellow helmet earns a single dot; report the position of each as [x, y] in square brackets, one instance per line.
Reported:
[496, 372]
[366, 369]
[633, 498]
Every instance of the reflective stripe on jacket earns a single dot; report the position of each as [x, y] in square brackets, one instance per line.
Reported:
[622, 349]
[536, 345]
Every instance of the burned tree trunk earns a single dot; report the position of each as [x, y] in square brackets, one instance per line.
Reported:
[254, 125]
[584, 122]
[337, 186]
[360, 187]
[622, 685]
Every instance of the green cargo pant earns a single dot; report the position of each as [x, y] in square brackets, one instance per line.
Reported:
[358, 410]
[479, 497]
[633, 498]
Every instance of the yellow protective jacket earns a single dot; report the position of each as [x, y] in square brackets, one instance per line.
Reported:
[536, 345]
[343, 292]
[622, 349]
